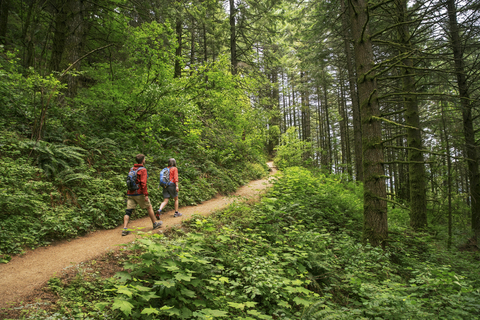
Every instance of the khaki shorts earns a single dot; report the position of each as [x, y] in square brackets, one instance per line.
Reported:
[132, 202]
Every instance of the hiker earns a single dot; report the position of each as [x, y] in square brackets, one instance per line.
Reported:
[171, 190]
[140, 195]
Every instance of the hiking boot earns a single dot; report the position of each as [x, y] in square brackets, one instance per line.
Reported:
[157, 214]
[125, 232]
[157, 225]
[177, 214]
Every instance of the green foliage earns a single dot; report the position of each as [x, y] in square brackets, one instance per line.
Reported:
[291, 150]
[196, 277]
[24, 94]
[297, 255]
[53, 158]
[55, 191]
[82, 294]
[65, 160]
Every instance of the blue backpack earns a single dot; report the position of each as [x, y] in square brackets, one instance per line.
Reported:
[165, 177]
[132, 179]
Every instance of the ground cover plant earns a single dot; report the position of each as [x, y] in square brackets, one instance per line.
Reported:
[295, 255]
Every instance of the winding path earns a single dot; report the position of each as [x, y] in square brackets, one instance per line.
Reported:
[27, 272]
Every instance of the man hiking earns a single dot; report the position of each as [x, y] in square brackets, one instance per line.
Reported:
[170, 189]
[138, 194]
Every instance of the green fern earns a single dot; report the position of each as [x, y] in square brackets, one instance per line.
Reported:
[55, 158]
[96, 145]
[68, 176]
[320, 310]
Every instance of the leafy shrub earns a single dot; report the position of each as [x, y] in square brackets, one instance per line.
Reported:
[291, 150]
[197, 277]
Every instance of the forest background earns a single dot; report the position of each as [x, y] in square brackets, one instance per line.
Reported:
[380, 94]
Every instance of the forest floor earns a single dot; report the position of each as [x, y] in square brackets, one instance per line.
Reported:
[22, 279]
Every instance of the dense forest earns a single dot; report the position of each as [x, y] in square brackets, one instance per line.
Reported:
[369, 108]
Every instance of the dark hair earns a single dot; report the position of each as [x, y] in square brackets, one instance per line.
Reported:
[139, 158]
[172, 162]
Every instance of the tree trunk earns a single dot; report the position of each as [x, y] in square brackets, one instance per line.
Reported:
[416, 166]
[319, 130]
[375, 227]
[274, 120]
[306, 135]
[357, 124]
[233, 38]
[449, 178]
[75, 42]
[469, 133]
[321, 125]
[192, 46]
[27, 37]
[178, 50]
[343, 123]
[4, 6]
[60, 36]
[305, 102]
[205, 51]
[284, 107]
[327, 129]
[294, 109]
[403, 190]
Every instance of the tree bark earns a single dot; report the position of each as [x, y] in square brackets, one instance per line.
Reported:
[178, 50]
[4, 6]
[27, 37]
[375, 226]
[319, 129]
[233, 38]
[205, 45]
[344, 129]
[192, 45]
[469, 133]
[416, 166]
[60, 36]
[75, 44]
[357, 124]
[449, 178]
[305, 105]
[327, 128]
[283, 127]
[294, 109]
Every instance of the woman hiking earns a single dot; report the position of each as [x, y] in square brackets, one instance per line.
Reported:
[171, 189]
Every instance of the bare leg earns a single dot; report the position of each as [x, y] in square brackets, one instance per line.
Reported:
[176, 204]
[164, 203]
[126, 218]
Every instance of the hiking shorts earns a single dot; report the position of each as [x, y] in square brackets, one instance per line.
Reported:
[133, 201]
[170, 191]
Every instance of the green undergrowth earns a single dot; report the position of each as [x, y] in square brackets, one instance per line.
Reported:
[295, 255]
[53, 191]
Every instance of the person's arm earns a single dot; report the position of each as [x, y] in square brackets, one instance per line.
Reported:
[175, 177]
[142, 180]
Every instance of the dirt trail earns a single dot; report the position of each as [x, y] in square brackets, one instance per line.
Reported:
[24, 273]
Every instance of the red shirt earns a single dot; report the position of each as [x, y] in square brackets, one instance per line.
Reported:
[141, 180]
[173, 174]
